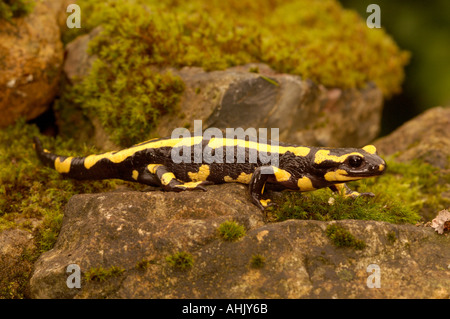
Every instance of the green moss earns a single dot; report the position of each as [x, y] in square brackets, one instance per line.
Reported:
[343, 238]
[15, 8]
[257, 261]
[391, 237]
[180, 260]
[231, 231]
[402, 195]
[100, 274]
[253, 69]
[318, 40]
[31, 191]
[144, 264]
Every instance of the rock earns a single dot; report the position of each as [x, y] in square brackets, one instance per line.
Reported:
[122, 229]
[305, 113]
[78, 63]
[425, 137]
[32, 58]
[15, 246]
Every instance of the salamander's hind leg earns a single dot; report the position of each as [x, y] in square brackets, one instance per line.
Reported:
[169, 182]
[347, 192]
[147, 178]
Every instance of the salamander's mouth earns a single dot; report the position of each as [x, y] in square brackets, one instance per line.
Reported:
[345, 173]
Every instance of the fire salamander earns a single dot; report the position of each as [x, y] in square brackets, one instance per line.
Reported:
[299, 168]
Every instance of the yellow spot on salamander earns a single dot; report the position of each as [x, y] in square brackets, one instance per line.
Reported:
[305, 184]
[345, 191]
[243, 178]
[152, 168]
[201, 175]
[339, 175]
[261, 147]
[370, 149]
[281, 175]
[189, 185]
[135, 175]
[264, 202]
[324, 155]
[381, 168]
[120, 156]
[64, 166]
[166, 178]
[91, 160]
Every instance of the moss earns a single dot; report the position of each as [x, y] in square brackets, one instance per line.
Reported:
[144, 264]
[180, 260]
[15, 275]
[31, 191]
[257, 261]
[231, 231]
[253, 69]
[15, 8]
[343, 238]
[100, 274]
[391, 237]
[402, 195]
[318, 40]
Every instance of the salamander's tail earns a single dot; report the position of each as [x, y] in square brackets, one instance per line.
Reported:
[47, 158]
[74, 167]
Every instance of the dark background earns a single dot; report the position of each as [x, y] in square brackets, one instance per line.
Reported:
[423, 29]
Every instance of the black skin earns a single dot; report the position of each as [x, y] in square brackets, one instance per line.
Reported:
[297, 166]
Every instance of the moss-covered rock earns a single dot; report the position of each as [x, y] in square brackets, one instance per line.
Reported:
[317, 40]
[178, 233]
[15, 8]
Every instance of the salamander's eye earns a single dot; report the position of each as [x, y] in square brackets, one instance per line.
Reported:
[355, 161]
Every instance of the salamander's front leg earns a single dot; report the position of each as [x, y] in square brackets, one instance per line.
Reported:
[170, 183]
[259, 178]
[256, 188]
[345, 191]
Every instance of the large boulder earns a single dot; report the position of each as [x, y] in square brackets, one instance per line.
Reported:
[294, 259]
[31, 54]
[305, 112]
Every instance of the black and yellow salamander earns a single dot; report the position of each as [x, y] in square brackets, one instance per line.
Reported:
[298, 168]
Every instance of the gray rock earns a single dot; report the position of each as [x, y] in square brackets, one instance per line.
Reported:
[123, 228]
[425, 137]
[305, 113]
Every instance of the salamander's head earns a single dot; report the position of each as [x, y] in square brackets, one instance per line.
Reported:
[349, 164]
